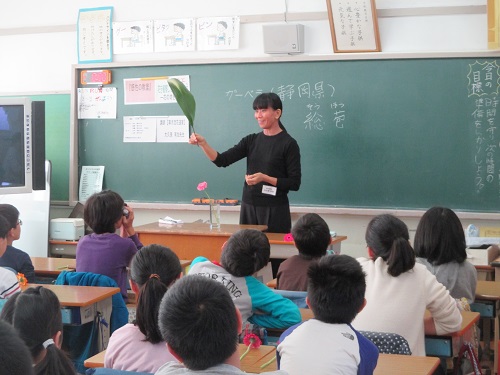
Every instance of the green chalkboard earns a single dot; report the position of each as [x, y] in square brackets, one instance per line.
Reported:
[408, 133]
[57, 141]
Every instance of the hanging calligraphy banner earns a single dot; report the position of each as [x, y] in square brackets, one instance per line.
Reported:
[354, 26]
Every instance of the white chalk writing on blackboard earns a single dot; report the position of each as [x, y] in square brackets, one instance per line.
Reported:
[483, 87]
[317, 117]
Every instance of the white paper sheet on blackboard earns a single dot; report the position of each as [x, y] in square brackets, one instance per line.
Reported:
[97, 103]
[90, 181]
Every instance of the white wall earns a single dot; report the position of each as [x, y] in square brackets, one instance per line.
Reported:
[38, 49]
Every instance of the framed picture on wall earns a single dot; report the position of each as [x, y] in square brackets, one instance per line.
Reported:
[354, 26]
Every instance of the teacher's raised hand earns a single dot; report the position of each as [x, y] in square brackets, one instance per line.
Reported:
[199, 140]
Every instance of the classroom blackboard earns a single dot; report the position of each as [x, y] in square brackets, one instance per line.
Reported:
[57, 141]
[403, 133]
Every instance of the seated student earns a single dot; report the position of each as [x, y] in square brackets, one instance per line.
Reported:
[398, 291]
[246, 252]
[105, 252]
[200, 324]
[15, 358]
[9, 285]
[139, 346]
[329, 343]
[14, 258]
[312, 237]
[440, 246]
[36, 316]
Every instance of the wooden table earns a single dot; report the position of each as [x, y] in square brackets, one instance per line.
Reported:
[405, 365]
[282, 249]
[189, 240]
[52, 266]
[251, 363]
[80, 304]
[388, 364]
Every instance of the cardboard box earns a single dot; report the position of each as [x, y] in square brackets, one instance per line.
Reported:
[482, 257]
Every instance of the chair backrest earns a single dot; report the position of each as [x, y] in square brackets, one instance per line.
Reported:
[388, 342]
[297, 297]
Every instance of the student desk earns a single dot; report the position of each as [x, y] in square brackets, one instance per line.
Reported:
[487, 302]
[52, 266]
[388, 364]
[189, 240]
[281, 249]
[79, 304]
[251, 363]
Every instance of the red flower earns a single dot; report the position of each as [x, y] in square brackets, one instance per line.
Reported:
[288, 237]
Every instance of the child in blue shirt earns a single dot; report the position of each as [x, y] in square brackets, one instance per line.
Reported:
[246, 252]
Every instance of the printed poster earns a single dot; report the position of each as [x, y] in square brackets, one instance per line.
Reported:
[133, 37]
[150, 90]
[218, 33]
[174, 35]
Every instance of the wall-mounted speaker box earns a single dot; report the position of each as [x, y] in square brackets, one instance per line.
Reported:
[288, 38]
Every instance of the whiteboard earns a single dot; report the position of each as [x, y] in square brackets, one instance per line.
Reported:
[34, 212]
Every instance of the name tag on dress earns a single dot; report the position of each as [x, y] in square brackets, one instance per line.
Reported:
[270, 190]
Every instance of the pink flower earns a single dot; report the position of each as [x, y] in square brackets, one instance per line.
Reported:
[288, 237]
[251, 340]
[202, 186]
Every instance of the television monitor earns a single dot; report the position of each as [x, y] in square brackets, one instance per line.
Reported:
[17, 165]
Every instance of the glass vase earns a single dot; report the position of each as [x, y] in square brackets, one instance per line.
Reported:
[214, 215]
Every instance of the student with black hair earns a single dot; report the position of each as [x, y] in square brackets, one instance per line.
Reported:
[105, 252]
[440, 246]
[399, 291]
[14, 258]
[246, 252]
[201, 325]
[311, 236]
[15, 357]
[273, 166]
[9, 285]
[328, 343]
[139, 346]
[36, 316]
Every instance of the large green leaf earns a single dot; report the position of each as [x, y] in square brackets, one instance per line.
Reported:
[184, 98]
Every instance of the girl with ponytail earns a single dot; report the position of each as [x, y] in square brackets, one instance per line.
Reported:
[139, 346]
[36, 315]
[399, 290]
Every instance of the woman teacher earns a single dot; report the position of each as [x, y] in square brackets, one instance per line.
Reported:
[273, 166]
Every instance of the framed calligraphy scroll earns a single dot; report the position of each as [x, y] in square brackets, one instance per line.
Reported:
[354, 25]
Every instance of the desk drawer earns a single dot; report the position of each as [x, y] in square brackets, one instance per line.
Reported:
[78, 315]
[437, 346]
[485, 308]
